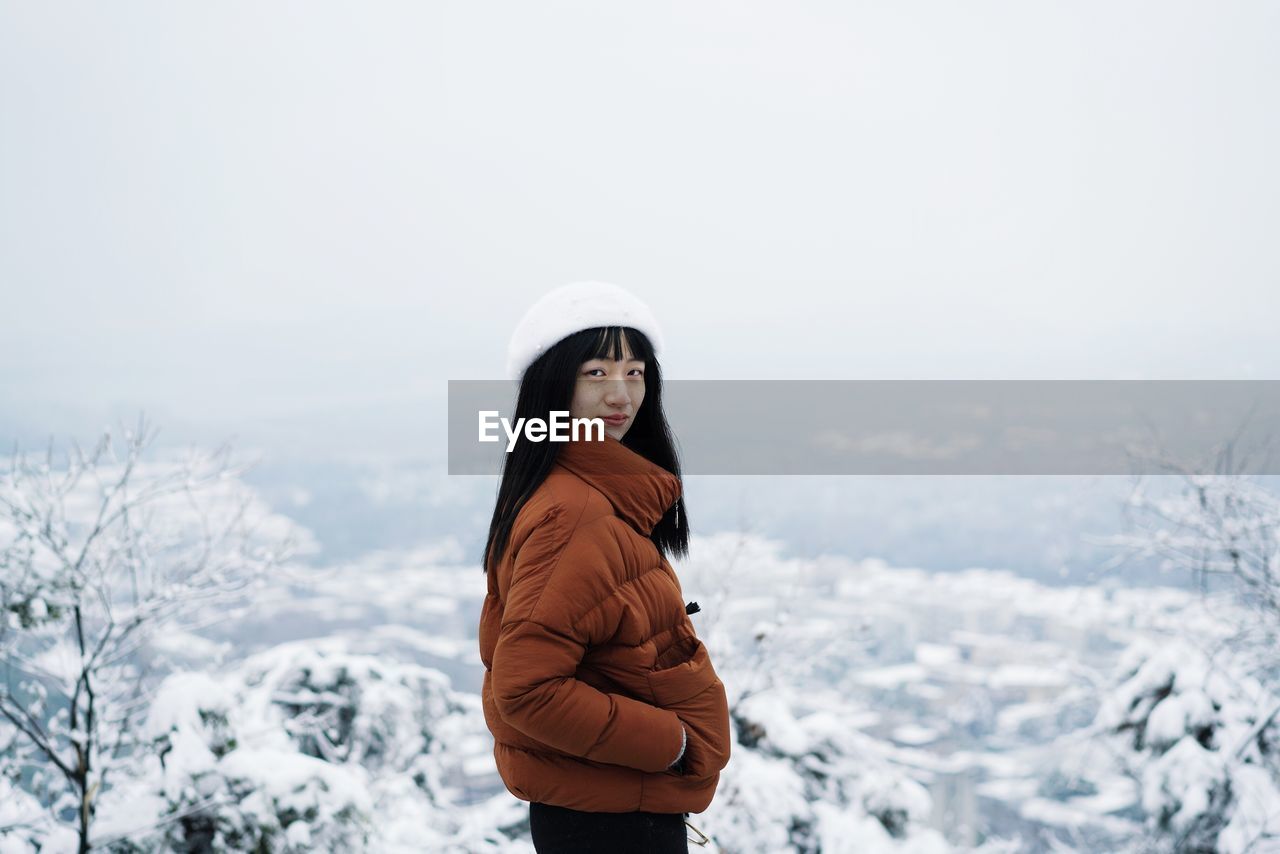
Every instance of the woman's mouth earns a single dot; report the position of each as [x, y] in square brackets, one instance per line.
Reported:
[615, 420]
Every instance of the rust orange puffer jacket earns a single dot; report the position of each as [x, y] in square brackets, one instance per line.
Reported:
[591, 661]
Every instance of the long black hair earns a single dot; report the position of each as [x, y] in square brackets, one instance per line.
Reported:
[548, 385]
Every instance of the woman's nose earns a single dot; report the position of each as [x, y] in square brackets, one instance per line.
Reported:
[618, 393]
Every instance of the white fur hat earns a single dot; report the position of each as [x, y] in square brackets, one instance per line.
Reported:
[571, 308]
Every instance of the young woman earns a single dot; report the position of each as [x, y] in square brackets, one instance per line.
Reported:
[606, 713]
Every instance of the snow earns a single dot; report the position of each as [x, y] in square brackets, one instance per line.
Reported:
[1114, 796]
[181, 699]
[1177, 715]
[1182, 783]
[935, 655]
[1010, 788]
[887, 709]
[297, 783]
[1013, 716]
[774, 715]
[848, 833]
[17, 808]
[60, 661]
[892, 676]
[1064, 815]
[914, 734]
[1026, 676]
[1256, 816]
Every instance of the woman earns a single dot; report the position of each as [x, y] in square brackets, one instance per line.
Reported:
[606, 713]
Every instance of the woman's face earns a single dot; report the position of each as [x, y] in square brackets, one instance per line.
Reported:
[606, 388]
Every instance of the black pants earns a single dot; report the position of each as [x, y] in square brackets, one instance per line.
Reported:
[559, 830]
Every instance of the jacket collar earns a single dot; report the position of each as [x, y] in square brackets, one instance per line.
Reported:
[640, 491]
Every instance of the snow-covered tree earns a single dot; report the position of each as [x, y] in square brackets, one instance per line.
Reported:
[99, 556]
[796, 782]
[307, 746]
[1182, 721]
[1200, 722]
[813, 783]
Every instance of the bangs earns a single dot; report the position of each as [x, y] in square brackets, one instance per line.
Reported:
[608, 344]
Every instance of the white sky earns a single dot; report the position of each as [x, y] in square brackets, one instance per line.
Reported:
[236, 210]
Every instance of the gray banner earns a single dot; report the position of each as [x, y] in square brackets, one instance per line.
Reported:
[1067, 427]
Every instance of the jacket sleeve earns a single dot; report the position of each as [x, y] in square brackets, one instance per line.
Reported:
[534, 684]
[680, 755]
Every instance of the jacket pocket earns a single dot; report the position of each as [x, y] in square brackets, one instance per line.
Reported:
[692, 690]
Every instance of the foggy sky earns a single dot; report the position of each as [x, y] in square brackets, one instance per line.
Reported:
[240, 211]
